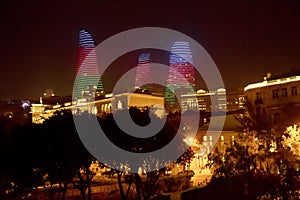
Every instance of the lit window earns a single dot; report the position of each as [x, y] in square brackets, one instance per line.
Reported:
[294, 91]
[284, 92]
[275, 94]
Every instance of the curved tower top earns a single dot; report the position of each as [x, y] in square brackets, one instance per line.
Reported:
[181, 53]
[86, 61]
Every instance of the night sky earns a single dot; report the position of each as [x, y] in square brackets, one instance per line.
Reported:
[246, 39]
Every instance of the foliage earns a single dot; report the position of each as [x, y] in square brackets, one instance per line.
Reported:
[291, 140]
[235, 160]
[145, 185]
[255, 157]
[51, 155]
[242, 186]
[251, 170]
[186, 157]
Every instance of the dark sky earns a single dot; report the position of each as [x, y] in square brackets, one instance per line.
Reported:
[246, 39]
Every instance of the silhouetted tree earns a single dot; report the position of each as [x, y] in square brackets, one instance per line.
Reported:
[145, 188]
[68, 155]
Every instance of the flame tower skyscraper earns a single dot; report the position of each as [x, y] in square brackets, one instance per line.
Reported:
[143, 77]
[87, 74]
[181, 78]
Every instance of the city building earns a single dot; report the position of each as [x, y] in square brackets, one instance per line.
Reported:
[223, 101]
[143, 78]
[41, 111]
[89, 95]
[181, 78]
[47, 106]
[278, 98]
[87, 81]
[235, 101]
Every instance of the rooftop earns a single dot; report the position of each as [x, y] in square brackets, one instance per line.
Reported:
[270, 82]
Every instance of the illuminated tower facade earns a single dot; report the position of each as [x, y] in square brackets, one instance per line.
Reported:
[87, 74]
[143, 72]
[181, 79]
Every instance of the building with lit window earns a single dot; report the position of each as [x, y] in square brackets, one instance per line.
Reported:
[235, 101]
[223, 101]
[279, 98]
